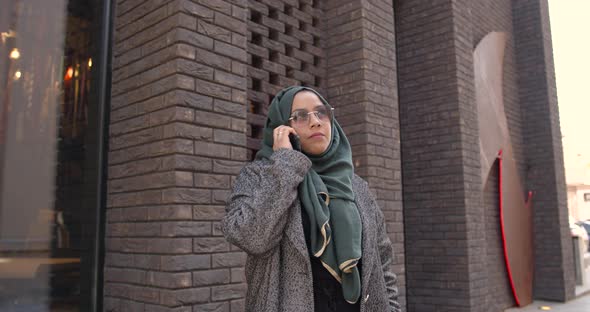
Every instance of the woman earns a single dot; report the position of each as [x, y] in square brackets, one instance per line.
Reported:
[314, 235]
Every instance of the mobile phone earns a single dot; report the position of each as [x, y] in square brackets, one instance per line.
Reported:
[295, 141]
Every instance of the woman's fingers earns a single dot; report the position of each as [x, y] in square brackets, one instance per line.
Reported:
[290, 130]
[281, 137]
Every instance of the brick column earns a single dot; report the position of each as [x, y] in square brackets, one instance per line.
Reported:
[554, 276]
[443, 206]
[177, 139]
[362, 86]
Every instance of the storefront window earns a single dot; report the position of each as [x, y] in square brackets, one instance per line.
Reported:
[51, 121]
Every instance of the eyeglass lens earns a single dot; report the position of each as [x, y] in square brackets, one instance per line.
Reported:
[303, 116]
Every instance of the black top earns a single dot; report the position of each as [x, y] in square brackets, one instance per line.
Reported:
[327, 291]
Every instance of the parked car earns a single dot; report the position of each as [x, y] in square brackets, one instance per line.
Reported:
[586, 226]
[578, 231]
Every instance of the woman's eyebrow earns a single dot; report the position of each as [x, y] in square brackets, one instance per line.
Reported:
[305, 110]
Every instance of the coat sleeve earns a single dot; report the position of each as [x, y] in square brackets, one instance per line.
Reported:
[386, 256]
[257, 209]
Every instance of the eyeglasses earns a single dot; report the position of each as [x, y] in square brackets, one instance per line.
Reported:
[301, 117]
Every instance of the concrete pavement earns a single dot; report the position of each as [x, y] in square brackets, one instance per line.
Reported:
[581, 304]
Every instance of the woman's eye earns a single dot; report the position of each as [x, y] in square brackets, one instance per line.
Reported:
[301, 116]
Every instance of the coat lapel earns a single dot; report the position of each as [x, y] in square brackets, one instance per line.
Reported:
[368, 248]
[294, 230]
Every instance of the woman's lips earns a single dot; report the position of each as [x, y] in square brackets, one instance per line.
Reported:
[317, 134]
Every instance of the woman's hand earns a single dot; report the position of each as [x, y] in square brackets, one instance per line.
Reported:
[281, 137]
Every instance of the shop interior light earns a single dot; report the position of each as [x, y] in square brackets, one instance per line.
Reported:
[89, 63]
[17, 75]
[14, 54]
[69, 73]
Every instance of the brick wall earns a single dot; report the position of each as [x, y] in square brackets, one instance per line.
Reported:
[488, 16]
[319, 44]
[447, 222]
[443, 207]
[554, 276]
[192, 80]
[362, 86]
[284, 49]
[178, 119]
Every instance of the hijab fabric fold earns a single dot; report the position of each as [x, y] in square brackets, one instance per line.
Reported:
[326, 196]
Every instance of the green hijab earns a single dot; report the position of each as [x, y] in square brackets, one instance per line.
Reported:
[327, 197]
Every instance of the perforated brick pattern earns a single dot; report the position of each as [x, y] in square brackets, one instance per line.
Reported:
[284, 48]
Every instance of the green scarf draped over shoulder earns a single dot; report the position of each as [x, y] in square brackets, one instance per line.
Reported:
[327, 197]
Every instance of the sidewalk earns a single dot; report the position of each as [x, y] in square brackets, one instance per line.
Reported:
[581, 304]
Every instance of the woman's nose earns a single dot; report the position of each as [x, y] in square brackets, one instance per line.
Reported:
[314, 120]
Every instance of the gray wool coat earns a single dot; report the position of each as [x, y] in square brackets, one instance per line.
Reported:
[263, 218]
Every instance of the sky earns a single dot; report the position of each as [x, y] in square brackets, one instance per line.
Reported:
[570, 25]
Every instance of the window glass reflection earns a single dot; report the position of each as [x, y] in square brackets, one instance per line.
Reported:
[48, 154]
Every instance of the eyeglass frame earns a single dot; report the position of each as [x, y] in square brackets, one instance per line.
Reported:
[315, 112]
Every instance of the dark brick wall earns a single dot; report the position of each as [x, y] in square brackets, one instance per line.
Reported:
[488, 16]
[284, 48]
[318, 44]
[443, 208]
[192, 80]
[191, 84]
[554, 276]
[362, 86]
[178, 119]
[471, 171]
[432, 148]
[448, 219]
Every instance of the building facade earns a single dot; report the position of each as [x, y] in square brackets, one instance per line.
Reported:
[176, 106]
[578, 199]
